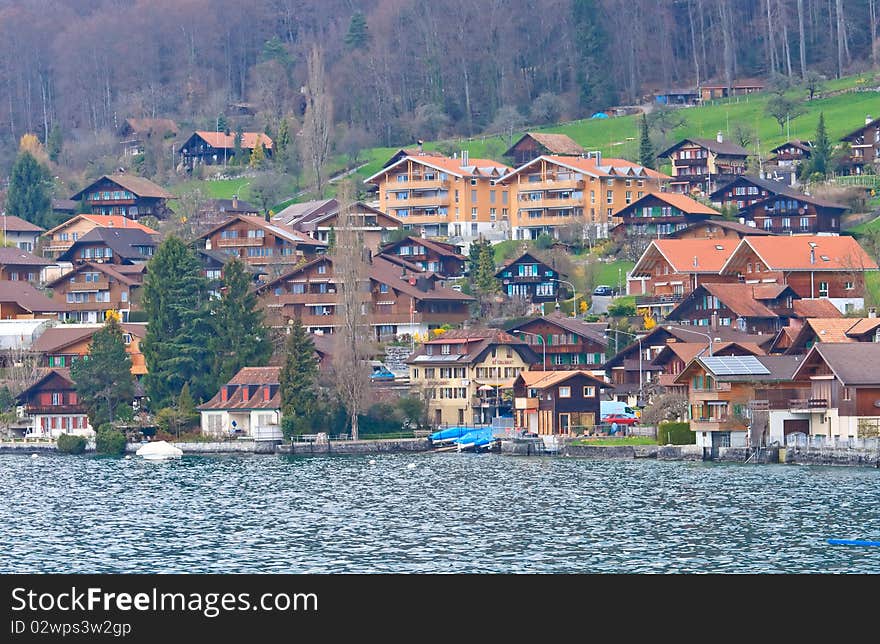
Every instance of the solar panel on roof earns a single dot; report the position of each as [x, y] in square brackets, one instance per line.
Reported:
[735, 366]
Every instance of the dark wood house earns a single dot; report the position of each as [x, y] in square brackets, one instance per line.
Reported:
[438, 257]
[124, 194]
[791, 153]
[701, 165]
[864, 146]
[718, 229]
[528, 278]
[531, 145]
[319, 220]
[91, 289]
[790, 212]
[557, 402]
[52, 405]
[111, 246]
[20, 265]
[659, 214]
[746, 190]
[218, 148]
[565, 343]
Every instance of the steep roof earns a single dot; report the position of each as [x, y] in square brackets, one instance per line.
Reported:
[470, 346]
[544, 379]
[747, 368]
[743, 229]
[140, 186]
[686, 255]
[222, 140]
[554, 143]
[121, 240]
[723, 148]
[456, 167]
[816, 308]
[18, 257]
[381, 270]
[806, 146]
[43, 375]
[739, 298]
[63, 335]
[682, 202]
[774, 187]
[104, 221]
[858, 131]
[277, 228]
[259, 376]
[14, 224]
[830, 329]
[28, 298]
[863, 326]
[591, 166]
[594, 331]
[832, 253]
[119, 272]
[441, 248]
[854, 364]
[525, 257]
[297, 211]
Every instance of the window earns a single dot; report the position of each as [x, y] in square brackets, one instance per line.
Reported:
[565, 392]
[805, 223]
[322, 269]
[609, 197]
[429, 372]
[823, 289]
[848, 286]
[847, 393]
[589, 392]
[444, 349]
[123, 297]
[383, 288]
[473, 213]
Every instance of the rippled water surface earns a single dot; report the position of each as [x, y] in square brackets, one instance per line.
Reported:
[450, 513]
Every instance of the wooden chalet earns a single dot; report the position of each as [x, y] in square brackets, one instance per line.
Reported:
[127, 195]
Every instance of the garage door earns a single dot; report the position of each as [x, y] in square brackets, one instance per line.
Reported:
[795, 425]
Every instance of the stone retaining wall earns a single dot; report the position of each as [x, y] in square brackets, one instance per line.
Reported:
[358, 447]
[831, 456]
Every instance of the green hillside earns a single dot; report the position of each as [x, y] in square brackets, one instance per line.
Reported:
[619, 137]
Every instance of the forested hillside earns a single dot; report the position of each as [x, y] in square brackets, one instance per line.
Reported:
[396, 69]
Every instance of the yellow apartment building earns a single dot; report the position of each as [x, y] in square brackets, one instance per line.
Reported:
[553, 192]
[446, 197]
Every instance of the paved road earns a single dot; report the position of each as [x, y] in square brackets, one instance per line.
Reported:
[600, 303]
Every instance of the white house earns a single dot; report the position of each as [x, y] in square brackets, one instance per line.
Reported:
[247, 405]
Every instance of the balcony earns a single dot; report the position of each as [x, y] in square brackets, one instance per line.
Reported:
[552, 184]
[307, 298]
[238, 242]
[658, 300]
[95, 306]
[423, 184]
[319, 320]
[417, 317]
[52, 409]
[808, 405]
[525, 279]
[101, 285]
[723, 424]
[421, 202]
[525, 403]
[550, 202]
[705, 393]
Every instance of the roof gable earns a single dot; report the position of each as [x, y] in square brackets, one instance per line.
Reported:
[802, 253]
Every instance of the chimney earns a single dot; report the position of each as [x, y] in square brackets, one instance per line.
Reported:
[595, 154]
[421, 143]
[812, 255]
[868, 119]
[695, 261]
[872, 312]
[464, 158]
[719, 137]
[234, 202]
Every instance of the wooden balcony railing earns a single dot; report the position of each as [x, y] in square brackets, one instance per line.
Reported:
[101, 285]
[238, 242]
[808, 404]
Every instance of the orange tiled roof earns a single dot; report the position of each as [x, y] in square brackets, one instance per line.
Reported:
[711, 254]
[603, 167]
[832, 252]
[683, 203]
[223, 140]
[816, 308]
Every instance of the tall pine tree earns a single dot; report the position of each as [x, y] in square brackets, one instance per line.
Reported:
[239, 338]
[484, 280]
[358, 36]
[104, 382]
[821, 151]
[29, 195]
[176, 347]
[647, 157]
[298, 380]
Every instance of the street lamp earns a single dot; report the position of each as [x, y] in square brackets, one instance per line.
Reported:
[705, 335]
[543, 344]
[639, 339]
[573, 295]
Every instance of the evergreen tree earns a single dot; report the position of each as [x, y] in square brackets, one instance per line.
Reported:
[331, 239]
[358, 36]
[647, 157]
[484, 280]
[474, 255]
[298, 380]
[237, 151]
[29, 190]
[239, 338]
[283, 140]
[55, 143]
[187, 413]
[821, 151]
[176, 347]
[591, 43]
[103, 380]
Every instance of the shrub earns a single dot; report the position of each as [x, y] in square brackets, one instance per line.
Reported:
[109, 440]
[70, 444]
[675, 434]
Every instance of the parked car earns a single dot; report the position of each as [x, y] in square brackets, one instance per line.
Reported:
[620, 419]
[603, 289]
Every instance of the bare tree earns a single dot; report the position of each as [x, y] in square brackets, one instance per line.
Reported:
[353, 345]
[318, 119]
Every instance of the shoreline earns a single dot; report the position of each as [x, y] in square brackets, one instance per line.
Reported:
[767, 455]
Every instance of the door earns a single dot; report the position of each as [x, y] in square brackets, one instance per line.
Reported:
[564, 423]
[461, 416]
[438, 417]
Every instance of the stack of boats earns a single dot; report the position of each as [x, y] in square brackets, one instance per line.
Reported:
[464, 438]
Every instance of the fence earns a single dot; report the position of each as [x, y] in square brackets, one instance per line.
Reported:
[825, 442]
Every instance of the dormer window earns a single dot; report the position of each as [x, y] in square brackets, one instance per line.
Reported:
[444, 349]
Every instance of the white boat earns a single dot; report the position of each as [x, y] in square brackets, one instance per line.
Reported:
[158, 451]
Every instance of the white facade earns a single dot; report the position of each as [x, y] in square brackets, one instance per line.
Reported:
[847, 304]
[737, 438]
[53, 425]
[257, 423]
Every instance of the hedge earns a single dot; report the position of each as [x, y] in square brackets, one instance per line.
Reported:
[70, 444]
[675, 434]
[109, 441]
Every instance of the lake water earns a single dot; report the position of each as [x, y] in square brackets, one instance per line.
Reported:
[450, 513]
